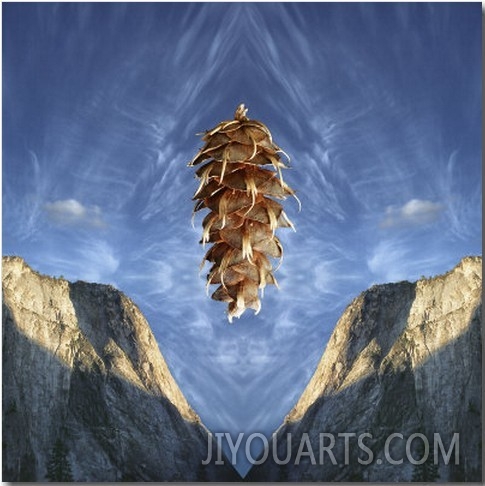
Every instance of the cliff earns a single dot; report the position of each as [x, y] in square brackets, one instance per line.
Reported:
[404, 358]
[82, 369]
[84, 382]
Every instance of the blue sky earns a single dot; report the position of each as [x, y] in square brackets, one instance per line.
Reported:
[378, 105]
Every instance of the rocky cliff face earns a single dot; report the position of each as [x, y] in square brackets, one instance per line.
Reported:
[81, 367]
[404, 358]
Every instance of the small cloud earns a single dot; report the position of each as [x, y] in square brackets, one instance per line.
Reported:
[69, 212]
[415, 212]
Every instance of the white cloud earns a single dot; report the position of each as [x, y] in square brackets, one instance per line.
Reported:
[71, 212]
[415, 212]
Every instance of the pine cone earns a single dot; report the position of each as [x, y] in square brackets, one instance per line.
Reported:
[243, 212]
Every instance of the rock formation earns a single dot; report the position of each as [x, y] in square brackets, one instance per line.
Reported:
[84, 381]
[404, 358]
[87, 394]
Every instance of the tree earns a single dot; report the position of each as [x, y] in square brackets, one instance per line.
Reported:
[58, 466]
[244, 214]
[202, 475]
[427, 472]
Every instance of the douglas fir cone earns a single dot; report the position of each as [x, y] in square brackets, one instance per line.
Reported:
[244, 215]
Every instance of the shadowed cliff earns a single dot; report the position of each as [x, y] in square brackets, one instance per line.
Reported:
[404, 358]
[82, 367]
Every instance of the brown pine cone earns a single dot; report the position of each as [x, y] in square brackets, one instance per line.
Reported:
[244, 215]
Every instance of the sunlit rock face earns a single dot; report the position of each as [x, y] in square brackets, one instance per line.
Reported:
[81, 365]
[404, 358]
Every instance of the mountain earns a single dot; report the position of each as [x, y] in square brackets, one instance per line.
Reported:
[404, 358]
[86, 393]
[88, 396]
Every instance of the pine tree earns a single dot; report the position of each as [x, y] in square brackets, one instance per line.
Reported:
[202, 476]
[244, 215]
[427, 472]
[58, 466]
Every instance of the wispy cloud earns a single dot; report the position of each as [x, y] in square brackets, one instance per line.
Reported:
[83, 257]
[416, 212]
[69, 212]
[23, 201]
[462, 191]
[406, 258]
[387, 261]
[99, 261]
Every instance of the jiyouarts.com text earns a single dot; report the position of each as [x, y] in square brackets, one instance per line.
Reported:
[415, 448]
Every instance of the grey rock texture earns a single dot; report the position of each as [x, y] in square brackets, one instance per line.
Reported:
[403, 358]
[81, 365]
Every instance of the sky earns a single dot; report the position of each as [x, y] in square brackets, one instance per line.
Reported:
[378, 106]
